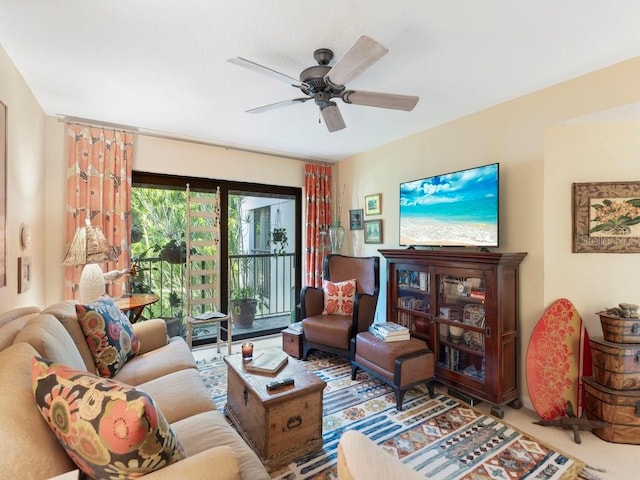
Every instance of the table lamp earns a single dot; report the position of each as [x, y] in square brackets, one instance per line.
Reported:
[89, 247]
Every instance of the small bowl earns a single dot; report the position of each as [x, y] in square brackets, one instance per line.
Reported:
[456, 332]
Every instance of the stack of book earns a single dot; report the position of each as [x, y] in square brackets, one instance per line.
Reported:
[390, 332]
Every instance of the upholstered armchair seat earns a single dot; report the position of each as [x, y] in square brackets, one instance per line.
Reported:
[334, 332]
[330, 330]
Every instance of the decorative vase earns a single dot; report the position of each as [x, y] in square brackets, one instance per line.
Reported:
[336, 237]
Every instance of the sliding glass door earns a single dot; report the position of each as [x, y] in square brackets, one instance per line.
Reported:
[260, 257]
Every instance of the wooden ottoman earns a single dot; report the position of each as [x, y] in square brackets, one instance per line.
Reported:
[402, 365]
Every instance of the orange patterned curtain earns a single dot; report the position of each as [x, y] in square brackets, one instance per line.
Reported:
[99, 188]
[318, 206]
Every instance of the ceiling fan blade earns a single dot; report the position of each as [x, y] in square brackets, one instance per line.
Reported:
[364, 53]
[382, 100]
[256, 67]
[332, 117]
[274, 106]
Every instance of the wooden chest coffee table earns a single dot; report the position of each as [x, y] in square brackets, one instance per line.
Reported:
[280, 425]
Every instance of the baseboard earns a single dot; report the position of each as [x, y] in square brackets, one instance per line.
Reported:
[463, 396]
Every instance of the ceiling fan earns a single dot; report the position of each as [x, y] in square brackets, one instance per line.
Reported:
[322, 83]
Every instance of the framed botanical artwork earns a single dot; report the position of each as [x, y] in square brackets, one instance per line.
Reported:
[606, 217]
[355, 219]
[373, 231]
[373, 204]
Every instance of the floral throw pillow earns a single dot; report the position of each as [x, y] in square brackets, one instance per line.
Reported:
[109, 335]
[338, 297]
[109, 429]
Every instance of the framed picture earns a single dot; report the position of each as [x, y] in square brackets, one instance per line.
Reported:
[3, 195]
[606, 217]
[373, 231]
[355, 220]
[373, 204]
[24, 274]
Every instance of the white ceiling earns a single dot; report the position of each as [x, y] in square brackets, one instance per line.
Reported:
[161, 65]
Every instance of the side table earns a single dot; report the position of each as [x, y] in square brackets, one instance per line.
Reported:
[134, 304]
[292, 341]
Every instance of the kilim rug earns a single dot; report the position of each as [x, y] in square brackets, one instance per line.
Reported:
[438, 437]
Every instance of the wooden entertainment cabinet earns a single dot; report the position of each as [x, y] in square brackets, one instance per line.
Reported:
[464, 304]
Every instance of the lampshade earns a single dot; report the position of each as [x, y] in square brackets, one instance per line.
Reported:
[89, 247]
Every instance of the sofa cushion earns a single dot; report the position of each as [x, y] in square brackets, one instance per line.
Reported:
[29, 447]
[51, 340]
[173, 357]
[168, 391]
[338, 297]
[65, 312]
[109, 335]
[11, 323]
[206, 430]
[108, 428]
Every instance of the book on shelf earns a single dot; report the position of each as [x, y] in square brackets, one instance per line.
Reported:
[268, 361]
[477, 294]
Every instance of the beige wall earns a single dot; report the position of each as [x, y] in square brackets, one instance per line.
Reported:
[25, 188]
[157, 155]
[595, 152]
[535, 190]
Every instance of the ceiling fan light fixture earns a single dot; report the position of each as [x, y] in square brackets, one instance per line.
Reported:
[322, 83]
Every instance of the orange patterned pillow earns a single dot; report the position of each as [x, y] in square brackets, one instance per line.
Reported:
[109, 429]
[338, 297]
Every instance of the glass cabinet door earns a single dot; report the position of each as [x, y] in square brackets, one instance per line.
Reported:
[460, 326]
[413, 298]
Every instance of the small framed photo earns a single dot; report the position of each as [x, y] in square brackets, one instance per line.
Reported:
[373, 205]
[24, 274]
[373, 231]
[355, 220]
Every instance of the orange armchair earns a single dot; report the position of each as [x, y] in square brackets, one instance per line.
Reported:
[333, 332]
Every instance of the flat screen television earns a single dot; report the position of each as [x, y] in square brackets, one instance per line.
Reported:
[453, 209]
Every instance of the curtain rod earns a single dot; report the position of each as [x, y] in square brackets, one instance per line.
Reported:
[166, 136]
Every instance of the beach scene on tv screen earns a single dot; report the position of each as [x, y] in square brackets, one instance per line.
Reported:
[459, 208]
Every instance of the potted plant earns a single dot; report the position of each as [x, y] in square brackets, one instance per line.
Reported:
[174, 252]
[279, 240]
[243, 307]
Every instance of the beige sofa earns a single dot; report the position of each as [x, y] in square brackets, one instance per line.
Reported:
[359, 458]
[165, 369]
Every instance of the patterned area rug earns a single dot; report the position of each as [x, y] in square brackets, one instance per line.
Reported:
[438, 437]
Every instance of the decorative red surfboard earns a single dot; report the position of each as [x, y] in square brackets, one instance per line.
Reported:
[559, 355]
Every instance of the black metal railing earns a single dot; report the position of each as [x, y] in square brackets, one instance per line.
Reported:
[270, 277]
